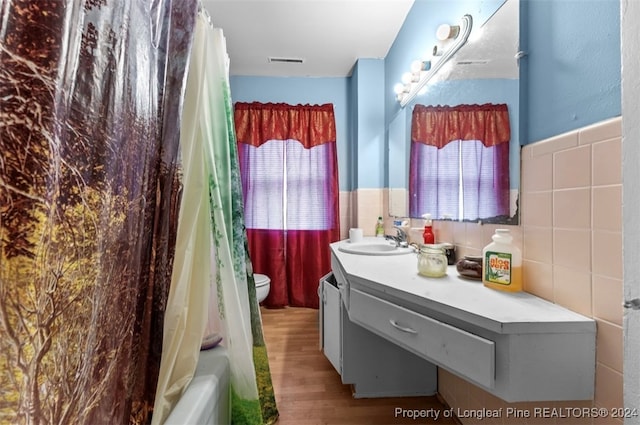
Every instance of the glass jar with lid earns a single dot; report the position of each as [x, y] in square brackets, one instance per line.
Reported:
[432, 261]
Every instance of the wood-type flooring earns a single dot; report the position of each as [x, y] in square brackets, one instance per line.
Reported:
[308, 389]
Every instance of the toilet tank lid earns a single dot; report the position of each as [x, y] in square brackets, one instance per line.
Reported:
[261, 279]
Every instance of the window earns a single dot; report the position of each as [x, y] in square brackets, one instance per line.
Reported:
[464, 178]
[287, 186]
[288, 166]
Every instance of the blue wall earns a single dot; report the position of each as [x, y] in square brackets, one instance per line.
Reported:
[368, 81]
[573, 65]
[571, 78]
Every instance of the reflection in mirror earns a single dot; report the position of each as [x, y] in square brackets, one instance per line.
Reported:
[484, 71]
[459, 161]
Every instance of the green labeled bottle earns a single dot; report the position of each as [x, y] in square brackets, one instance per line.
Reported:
[380, 228]
[502, 263]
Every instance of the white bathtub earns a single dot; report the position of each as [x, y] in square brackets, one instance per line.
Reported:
[206, 401]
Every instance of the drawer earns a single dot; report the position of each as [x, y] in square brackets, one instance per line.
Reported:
[459, 351]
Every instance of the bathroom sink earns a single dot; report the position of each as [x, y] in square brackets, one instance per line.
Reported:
[374, 248]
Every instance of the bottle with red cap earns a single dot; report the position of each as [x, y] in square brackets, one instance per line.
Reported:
[428, 236]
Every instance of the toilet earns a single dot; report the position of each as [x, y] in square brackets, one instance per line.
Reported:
[263, 284]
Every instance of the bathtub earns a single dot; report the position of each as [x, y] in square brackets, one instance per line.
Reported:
[207, 397]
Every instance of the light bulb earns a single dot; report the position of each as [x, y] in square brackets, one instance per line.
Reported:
[438, 50]
[420, 65]
[446, 31]
[406, 78]
[398, 88]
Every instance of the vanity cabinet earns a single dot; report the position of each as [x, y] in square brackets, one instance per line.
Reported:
[374, 366]
[515, 346]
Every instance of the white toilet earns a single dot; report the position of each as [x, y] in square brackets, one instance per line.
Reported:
[263, 284]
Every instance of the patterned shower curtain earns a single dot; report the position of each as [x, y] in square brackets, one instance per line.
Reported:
[215, 225]
[90, 97]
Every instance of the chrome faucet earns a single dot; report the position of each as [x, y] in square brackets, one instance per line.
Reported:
[400, 238]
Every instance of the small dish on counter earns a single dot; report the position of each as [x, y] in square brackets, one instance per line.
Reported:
[470, 267]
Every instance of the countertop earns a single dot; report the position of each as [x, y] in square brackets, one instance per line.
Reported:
[502, 312]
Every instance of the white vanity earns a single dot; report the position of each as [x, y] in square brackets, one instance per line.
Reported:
[387, 328]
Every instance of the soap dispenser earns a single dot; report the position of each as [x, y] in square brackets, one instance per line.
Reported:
[380, 227]
[427, 236]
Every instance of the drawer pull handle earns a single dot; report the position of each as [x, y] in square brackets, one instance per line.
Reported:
[402, 328]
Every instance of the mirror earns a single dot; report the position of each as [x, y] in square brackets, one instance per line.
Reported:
[485, 70]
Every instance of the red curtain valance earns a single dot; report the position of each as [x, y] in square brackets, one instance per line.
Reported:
[257, 123]
[439, 125]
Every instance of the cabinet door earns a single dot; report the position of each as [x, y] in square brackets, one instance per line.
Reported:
[331, 323]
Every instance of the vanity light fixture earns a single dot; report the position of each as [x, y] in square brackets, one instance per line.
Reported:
[446, 31]
[423, 71]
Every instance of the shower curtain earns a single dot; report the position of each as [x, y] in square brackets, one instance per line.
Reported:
[212, 221]
[90, 98]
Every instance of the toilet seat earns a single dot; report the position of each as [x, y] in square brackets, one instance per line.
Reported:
[261, 279]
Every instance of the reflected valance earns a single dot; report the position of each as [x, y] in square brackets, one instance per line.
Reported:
[439, 125]
[257, 123]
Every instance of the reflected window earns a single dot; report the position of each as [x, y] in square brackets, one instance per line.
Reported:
[459, 161]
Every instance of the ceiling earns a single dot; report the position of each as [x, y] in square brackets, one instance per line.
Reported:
[327, 35]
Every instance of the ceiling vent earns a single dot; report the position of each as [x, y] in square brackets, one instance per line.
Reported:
[473, 62]
[285, 60]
